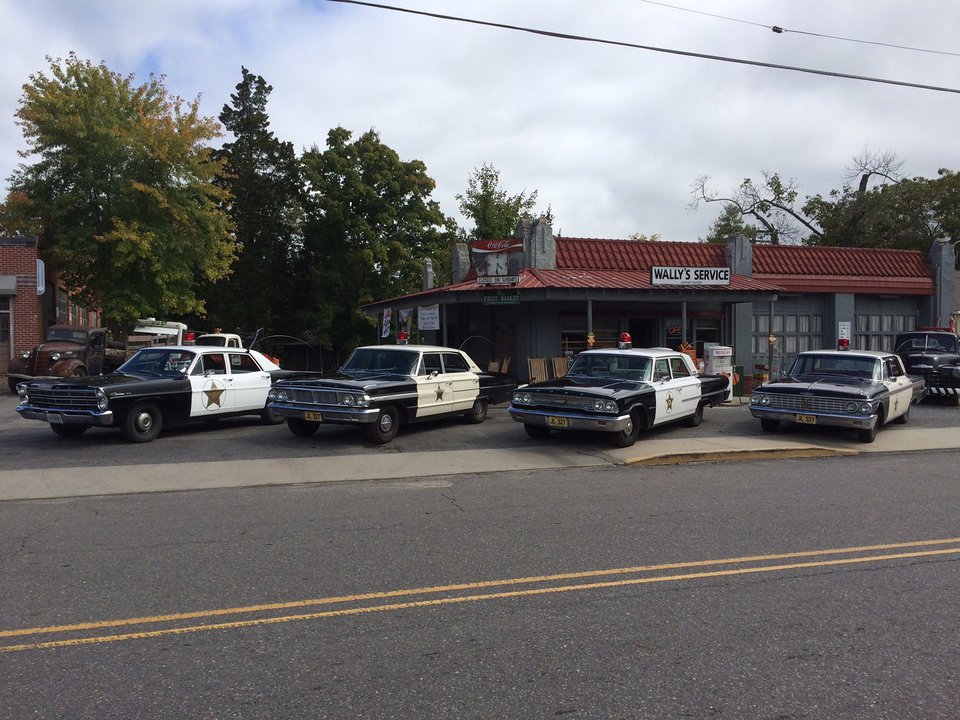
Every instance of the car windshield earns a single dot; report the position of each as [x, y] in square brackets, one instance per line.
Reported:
[156, 361]
[382, 360]
[67, 334]
[628, 367]
[939, 342]
[851, 366]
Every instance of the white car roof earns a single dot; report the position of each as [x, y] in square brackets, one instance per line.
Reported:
[411, 348]
[643, 352]
[874, 354]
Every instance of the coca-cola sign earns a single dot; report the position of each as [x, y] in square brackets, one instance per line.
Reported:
[505, 245]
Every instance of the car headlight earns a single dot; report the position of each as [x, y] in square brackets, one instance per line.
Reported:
[276, 395]
[955, 372]
[522, 398]
[101, 400]
[852, 407]
[362, 401]
[866, 408]
[759, 399]
[55, 356]
[25, 354]
[22, 392]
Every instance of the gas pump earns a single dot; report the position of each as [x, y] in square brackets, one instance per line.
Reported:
[718, 360]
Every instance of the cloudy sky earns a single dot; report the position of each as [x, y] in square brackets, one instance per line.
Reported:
[611, 137]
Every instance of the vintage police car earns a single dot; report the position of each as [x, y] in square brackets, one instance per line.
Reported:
[620, 391]
[857, 389]
[158, 386]
[381, 387]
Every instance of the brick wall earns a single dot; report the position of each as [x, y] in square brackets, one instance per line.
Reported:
[18, 257]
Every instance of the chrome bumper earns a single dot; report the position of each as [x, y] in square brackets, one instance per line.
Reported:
[57, 416]
[330, 413]
[575, 421]
[824, 419]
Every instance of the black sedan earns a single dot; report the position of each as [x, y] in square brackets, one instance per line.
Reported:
[381, 387]
[620, 392]
[857, 389]
[164, 385]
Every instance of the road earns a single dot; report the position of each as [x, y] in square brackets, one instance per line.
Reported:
[782, 588]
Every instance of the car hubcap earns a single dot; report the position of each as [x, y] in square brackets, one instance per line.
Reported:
[386, 422]
[144, 422]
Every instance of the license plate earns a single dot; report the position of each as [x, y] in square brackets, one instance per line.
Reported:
[807, 419]
[312, 416]
[558, 422]
[55, 418]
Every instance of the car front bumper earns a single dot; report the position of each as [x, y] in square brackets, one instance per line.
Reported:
[59, 416]
[329, 413]
[574, 421]
[858, 422]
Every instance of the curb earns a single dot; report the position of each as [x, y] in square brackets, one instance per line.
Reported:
[733, 455]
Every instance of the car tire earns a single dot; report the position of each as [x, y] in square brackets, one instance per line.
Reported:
[953, 402]
[79, 372]
[386, 426]
[697, 417]
[302, 428]
[628, 436]
[769, 424]
[478, 413]
[536, 431]
[69, 431]
[903, 419]
[868, 436]
[142, 422]
[12, 384]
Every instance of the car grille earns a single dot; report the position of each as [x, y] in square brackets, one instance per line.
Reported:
[939, 377]
[38, 363]
[806, 403]
[61, 399]
[310, 396]
[559, 400]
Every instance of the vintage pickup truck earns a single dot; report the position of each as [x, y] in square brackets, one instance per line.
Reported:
[70, 351]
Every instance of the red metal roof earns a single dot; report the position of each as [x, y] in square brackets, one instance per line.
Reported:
[830, 269]
[632, 255]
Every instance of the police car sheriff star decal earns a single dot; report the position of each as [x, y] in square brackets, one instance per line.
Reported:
[212, 395]
[439, 393]
[669, 402]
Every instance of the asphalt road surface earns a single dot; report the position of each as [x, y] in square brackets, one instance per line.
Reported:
[798, 588]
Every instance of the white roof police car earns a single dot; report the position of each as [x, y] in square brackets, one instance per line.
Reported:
[381, 387]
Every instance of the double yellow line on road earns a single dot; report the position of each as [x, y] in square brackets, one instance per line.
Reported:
[178, 623]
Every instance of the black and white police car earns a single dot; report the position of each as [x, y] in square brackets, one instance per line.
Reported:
[381, 387]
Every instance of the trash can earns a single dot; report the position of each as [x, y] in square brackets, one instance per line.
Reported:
[738, 381]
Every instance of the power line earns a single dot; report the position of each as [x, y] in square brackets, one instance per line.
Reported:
[635, 46]
[778, 29]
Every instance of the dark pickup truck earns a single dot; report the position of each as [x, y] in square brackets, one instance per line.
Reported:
[935, 356]
[67, 352]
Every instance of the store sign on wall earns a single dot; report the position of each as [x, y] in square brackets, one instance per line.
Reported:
[498, 261]
[501, 298]
[680, 275]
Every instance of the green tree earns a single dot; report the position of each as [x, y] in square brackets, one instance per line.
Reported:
[495, 214]
[262, 175]
[122, 192]
[730, 222]
[910, 213]
[370, 226]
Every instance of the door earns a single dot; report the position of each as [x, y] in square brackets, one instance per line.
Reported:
[4, 333]
[96, 351]
[466, 384]
[434, 387]
[677, 396]
[900, 386]
[210, 393]
[249, 383]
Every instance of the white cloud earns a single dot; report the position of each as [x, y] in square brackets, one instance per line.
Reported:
[611, 137]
